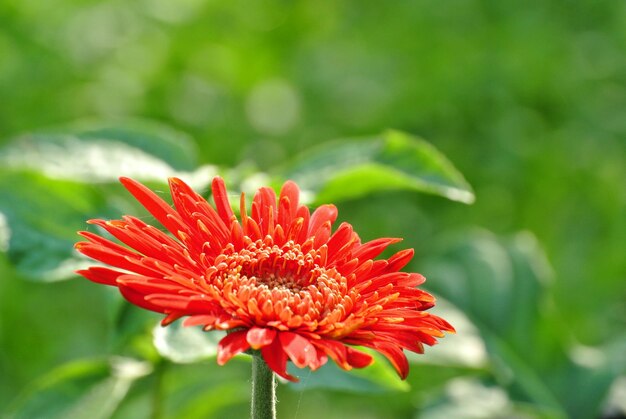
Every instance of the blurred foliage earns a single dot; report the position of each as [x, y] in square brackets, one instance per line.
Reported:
[526, 98]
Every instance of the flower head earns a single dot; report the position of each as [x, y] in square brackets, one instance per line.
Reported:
[279, 280]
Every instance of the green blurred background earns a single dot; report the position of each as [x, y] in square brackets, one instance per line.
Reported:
[527, 99]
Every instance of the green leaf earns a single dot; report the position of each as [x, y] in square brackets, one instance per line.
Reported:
[52, 183]
[207, 390]
[86, 389]
[395, 160]
[5, 233]
[185, 344]
[469, 398]
[156, 139]
[379, 377]
[43, 216]
[103, 154]
[477, 275]
[463, 350]
[132, 328]
[227, 395]
[502, 287]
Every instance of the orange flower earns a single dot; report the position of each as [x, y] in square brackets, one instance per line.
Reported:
[278, 280]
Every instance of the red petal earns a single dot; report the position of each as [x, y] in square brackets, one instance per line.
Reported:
[288, 203]
[131, 236]
[200, 319]
[348, 267]
[320, 359]
[362, 272]
[335, 350]
[111, 257]
[298, 348]
[212, 227]
[252, 228]
[380, 281]
[139, 299]
[357, 358]
[341, 242]
[259, 337]
[231, 345]
[155, 205]
[395, 355]
[148, 285]
[399, 260]
[172, 317]
[150, 231]
[101, 275]
[276, 359]
[322, 234]
[264, 210]
[294, 229]
[320, 216]
[185, 199]
[303, 212]
[413, 280]
[175, 302]
[373, 248]
[220, 196]
[236, 235]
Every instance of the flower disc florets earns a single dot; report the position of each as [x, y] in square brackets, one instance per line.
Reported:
[279, 287]
[278, 279]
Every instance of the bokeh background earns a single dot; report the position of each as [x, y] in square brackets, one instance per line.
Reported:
[526, 99]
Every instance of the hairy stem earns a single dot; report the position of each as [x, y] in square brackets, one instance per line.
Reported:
[263, 390]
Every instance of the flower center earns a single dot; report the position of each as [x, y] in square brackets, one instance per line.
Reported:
[282, 287]
[272, 281]
[285, 267]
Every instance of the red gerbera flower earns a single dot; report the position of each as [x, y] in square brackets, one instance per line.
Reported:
[278, 280]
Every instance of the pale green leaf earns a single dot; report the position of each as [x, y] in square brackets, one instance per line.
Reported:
[185, 344]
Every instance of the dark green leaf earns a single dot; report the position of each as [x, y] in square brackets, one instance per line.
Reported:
[395, 160]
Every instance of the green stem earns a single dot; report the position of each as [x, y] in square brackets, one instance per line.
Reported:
[263, 390]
